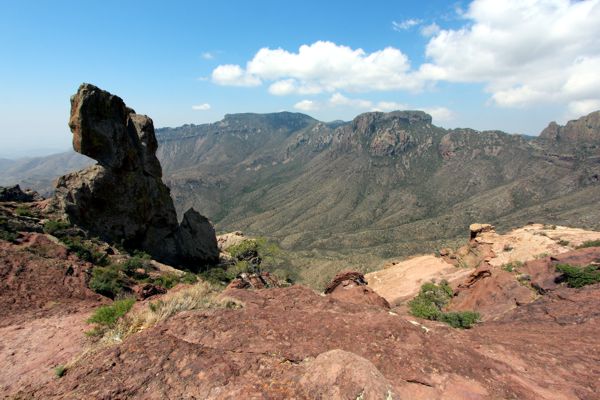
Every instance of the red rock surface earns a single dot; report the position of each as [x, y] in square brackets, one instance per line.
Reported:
[493, 291]
[351, 286]
[44, 303]
[293, 343]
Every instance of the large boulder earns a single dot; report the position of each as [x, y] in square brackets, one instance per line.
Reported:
[122, 198]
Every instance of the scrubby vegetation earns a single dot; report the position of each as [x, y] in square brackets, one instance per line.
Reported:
[589, 243]
[512, 266]
[579, 276]
[114, 279]
[54, 227]
[60, 371]
[24, 211]
[430, 302]
[200, 296]
[252, 256]
[106, 317]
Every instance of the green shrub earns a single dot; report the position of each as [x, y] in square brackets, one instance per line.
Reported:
[107, 281]
[460, 319]
[106, 317]
[512, 266]
[142, 255]
[167, 280]
[215, 276]
[578, 277]
[563, 242]
[23, 211]
[430, 301]
[589, 243]
[60, 371]
[132, 266]
[8, 236]
[85, 251]
[53, 227]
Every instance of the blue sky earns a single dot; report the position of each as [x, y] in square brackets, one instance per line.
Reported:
[510, 65]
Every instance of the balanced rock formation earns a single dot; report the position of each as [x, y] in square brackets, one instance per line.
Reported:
[122, 198]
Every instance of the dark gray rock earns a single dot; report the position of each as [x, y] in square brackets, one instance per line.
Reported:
[14, 193]
[122, 198]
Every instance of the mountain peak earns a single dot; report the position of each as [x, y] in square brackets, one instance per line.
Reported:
[409, 117]
[584, 129]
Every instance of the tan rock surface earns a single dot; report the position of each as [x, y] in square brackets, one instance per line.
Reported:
[402, 280]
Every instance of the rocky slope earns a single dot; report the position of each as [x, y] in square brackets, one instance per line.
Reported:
[292, 342]
[382, 185]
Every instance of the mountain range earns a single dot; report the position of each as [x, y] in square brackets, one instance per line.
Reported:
[381, 186]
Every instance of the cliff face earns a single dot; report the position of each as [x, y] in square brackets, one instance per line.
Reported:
[122, 198]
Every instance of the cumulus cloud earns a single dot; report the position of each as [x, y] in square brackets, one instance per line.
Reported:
[405, 25]
[305, 105]
[525, 52]
[337, 99]
[233, 75]
[201, 107]
[322, 67]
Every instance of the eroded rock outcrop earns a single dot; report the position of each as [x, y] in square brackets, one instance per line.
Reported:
[122, 198]
[351, 286]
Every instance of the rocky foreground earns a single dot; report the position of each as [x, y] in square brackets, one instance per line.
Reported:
[538, 339]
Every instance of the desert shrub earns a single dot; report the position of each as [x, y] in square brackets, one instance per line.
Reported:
[107, 281]
[106, 317]
[23, 211]
[7, 235]
[563, 242]
[85, 251]
[512, 266]
[60, 371]
[589, 243]
[431, 300]
[200, 296]
[460, 319]
[579, 276]
[167, 280]
[141, 255]
[215, 276]
[53, 227]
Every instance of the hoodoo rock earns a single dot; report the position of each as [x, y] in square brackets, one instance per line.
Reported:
[122, 198]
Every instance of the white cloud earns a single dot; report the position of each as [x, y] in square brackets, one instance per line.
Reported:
[322, 67]
[405, 25]
[233, 75]
[305, 105]
[525, 52]
[201, 107]
[430, 30]
[208, 55]
[439, 114]
[390, 106]
[337, 99]
[578, 108]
